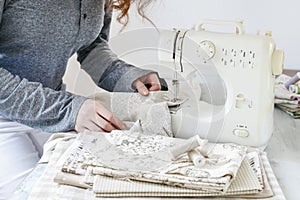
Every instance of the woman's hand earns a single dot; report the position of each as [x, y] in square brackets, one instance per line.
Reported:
[93, 116]
[147, 83]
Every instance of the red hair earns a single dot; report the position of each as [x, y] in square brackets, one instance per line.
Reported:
[124, 5]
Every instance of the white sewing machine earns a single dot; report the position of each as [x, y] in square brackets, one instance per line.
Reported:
[225, 80]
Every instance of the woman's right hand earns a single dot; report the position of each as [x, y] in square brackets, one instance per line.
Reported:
[93, 116]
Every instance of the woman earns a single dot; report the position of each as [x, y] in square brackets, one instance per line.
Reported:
[36, 40]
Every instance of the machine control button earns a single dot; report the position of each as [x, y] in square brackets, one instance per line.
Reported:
[209, 48]
[241, 132]
[277, 62]
[240, 101]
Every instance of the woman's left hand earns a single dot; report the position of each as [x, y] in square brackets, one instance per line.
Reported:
[147, 83]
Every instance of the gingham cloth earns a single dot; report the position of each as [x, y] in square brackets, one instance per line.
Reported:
[245, 183]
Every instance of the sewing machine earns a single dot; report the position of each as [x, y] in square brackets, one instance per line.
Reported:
[225, 81]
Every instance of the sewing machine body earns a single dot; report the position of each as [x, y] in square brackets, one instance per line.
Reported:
[238, 72]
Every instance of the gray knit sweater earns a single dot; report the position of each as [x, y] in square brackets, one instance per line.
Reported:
[37, 37]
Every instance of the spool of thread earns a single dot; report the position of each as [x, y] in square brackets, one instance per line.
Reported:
[294, 89]
[197, 158]
[186, 146]
[293, 80]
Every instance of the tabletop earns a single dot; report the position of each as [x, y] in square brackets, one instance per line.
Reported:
[283, 153]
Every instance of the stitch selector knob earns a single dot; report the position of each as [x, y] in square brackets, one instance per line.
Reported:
[209, 49]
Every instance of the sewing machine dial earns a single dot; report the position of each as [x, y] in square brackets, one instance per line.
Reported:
[208, 48]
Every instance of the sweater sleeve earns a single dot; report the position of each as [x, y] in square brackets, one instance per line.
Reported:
[104, 67]
[32, 104]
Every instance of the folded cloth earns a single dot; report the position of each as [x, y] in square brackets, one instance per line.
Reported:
[46, 188]
[110, 187]
[292, 112]
[286, 100]
[106, 186]
[144, 189]
[282, 93]
[122, 154]
[54, 140]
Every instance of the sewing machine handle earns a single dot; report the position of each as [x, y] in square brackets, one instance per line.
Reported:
[238, 25]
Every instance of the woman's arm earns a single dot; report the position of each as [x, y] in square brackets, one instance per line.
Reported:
[43, 108]
[105, 68]
[32, 104]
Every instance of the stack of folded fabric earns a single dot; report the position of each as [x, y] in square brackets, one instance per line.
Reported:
[125, 164]
[74, 173]
[285, 98]
[70, 174]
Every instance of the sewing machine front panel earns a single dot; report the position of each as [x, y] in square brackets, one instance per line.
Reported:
[243, 62]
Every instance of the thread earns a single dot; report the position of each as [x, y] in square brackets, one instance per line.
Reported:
[293, 80]
[197, 158]
[294, 89]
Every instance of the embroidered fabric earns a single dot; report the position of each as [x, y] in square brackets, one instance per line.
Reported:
[244, 185]
[121, 154]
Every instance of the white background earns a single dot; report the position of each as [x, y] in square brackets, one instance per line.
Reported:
[282, 17]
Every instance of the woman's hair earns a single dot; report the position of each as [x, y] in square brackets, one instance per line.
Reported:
[124, 5]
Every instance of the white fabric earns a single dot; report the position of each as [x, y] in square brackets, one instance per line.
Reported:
[40, 184]
[147, 158]
[20, 147]
[152, 111]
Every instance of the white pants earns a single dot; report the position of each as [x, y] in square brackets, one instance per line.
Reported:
[20, 150]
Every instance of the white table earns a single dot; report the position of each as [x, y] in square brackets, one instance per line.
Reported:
[284, 153]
